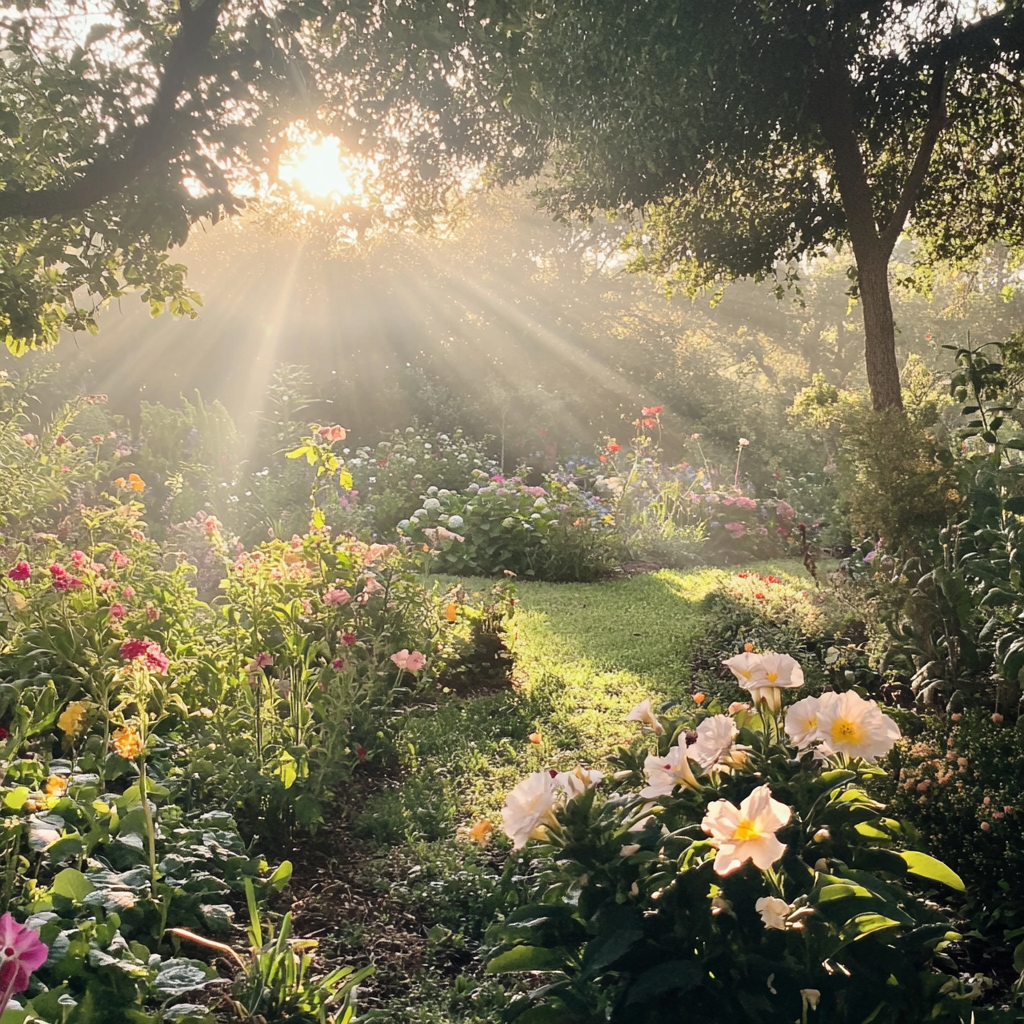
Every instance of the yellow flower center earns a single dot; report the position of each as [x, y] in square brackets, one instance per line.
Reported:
[846, 731]
[773, 676]
[745, 831]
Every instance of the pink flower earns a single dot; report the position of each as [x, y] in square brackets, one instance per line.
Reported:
[117, 612]
[410, 662]
[152, 614]
[128, 592]
[105, 585]
[119, 558]
[146, 651]
[338, 664]
[78, 559]
[348, 639]
[736, 529]
[784, 510]
[21, 953]
[333, 596]
[263, 660]
[21, 571]
[66, 582]
[137, 535]
[57, 570]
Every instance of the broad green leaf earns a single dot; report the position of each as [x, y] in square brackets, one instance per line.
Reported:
[527, 958]
[281, 876]
[865, 924]
[928, 867]
[15, 799]
[72, 884]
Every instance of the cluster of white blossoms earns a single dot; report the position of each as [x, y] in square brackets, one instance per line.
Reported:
[841, 723]
[834, 723]
[530, 808]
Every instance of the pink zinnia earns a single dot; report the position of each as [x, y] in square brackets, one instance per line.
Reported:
[57, 570]
[154, 658]
[21, 571]
[337, 597]
[152, 614]
[66, 582]
[128, 592]
[348, 639]
[119, 558]
[338, 664]
[411, 662]
[21, 953]
[117, 612]
[78, 559]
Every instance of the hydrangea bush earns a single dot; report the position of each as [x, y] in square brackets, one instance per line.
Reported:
[556, 532]
[733, 864]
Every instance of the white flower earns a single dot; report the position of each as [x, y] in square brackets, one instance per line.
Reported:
[432, 503]
[643, 713]
[746, 832]
[403, 524]
[773, 911]
[748, 669]
[744, 442]
[782, 670]
[810, 997]
[802, 722]
[454, 522]
[540, 503]
[850, 725]
[530, 808]
[578, 781]
[715, 736]
[665, 773]
[431, 490]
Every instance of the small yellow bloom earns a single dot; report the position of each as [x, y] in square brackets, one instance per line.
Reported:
[72, 717]
[56, 786]
[451, 611]
[128, 743]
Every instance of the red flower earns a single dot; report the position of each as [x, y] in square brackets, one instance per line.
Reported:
[57, 570]
[760, 597]
[348, 639]
[602, 458]
[21, 571]
[648, 422]
[3, 733]
[338, 664]
[613, 447]
[361, 752]
[652, 410]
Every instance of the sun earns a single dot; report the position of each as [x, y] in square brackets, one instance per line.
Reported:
[317, 167]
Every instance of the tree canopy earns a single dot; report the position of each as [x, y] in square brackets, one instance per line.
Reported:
[754, 133]
[123, 122]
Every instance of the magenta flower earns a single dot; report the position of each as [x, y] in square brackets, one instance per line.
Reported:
[119, 558]
[117, 612]
[78, 559]
[146, 651]
[66, 582]
[21, 571]
[21, 953]
[338, 664]
[348, 639]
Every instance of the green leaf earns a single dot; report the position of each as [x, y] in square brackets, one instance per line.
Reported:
[928, 867]
[72, 885]
[865, 924]
[527, 958]
[179, 976]
[281, 876]
[15, 799]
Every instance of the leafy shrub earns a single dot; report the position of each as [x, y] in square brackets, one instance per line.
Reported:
[557, 533]
[391, 476]
[959, 781]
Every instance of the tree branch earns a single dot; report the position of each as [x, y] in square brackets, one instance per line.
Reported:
[937, 120]
[106, 177]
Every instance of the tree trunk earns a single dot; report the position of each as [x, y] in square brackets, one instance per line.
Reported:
[879, 330]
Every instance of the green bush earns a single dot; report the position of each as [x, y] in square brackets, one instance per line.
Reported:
[493, 526]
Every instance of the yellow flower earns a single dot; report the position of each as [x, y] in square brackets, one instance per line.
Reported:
[451, 611]
[127, 742]
[72, 717]
[56, 786]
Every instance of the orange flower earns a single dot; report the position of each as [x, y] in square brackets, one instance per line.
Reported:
[748, 647]
[451, 611]
[135, 482]
[120, 482]
[534, 738]
[128, 743]
[699, 698]
[56, 786]
[481, 830]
